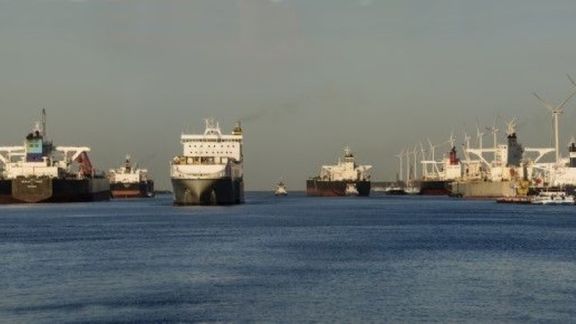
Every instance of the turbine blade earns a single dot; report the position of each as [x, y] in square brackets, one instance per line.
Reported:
[559, 108]
[571, 80]
[547, 105]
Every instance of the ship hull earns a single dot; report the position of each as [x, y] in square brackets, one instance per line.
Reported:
[224, 191]
[321, 188]
[435, 188]
[484, 189]
[29, 190]
[143, 189]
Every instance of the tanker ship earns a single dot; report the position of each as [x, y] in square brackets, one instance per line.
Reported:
[39, 172]
[210, 170]
[130, 182]
[343, 179]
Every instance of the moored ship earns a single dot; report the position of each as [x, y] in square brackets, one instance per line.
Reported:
[507, 175]
[39, 172]
[437, 182]
[128, 181]
[342, 179]
[210, 170]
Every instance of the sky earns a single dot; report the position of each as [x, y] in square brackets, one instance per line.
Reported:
[306, 77]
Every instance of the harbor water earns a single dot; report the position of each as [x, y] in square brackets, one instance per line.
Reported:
[288, 259]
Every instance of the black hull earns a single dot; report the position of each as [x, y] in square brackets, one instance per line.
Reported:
[223, 191]
[435, 188]
[144, 189]
[47, 190]
[321, 188]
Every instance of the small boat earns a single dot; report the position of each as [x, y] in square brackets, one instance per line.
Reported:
[280, 189]
[351, 190]
[412, 190]
[394, 190]
[553, 198]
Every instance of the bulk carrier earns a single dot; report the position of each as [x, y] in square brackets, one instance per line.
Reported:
[39, 172]
[210, 170]
[343, 179]
[437, 182]
[130, 182]
[507, 175]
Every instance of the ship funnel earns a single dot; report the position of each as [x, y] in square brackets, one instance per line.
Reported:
[515, 150]
[237, 129]
[572, 149]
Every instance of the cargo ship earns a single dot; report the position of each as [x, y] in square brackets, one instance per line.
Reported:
[39, 172]
[508, 174]
[130, 182]
[437, 181]
[343, 179]
[210, 170]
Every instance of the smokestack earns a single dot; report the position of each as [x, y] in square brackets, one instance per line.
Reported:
[572, 149]
[515, 151]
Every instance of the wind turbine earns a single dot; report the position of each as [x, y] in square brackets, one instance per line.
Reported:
[407, 153]
[400, 156]
[451, 140]
[466, 145]
[494, 132]
[511, 126]
[467, 140]
[479, 136]
[423, 155]
[433, 150]
[556, 111]
[571, 80]
[415, 170]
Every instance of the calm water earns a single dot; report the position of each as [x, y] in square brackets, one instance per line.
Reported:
[294, 259]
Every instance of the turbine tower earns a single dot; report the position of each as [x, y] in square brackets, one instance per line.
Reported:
[399, 156]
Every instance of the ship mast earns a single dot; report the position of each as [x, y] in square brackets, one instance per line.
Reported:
[44, 122]
[423, 155]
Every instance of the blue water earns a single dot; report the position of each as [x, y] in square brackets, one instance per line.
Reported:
[293, 259]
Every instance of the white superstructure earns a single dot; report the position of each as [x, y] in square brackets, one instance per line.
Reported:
[211, 155]
[39, 158]
[281, 189]
[127, 173]
[346, 170]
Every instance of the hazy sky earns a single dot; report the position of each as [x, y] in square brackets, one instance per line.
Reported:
[308, 77]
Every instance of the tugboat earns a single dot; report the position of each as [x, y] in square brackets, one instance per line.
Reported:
[553, 197]
[341, 179]
[280, 189]
[130, 182]
[40, 172]
[351, 190]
